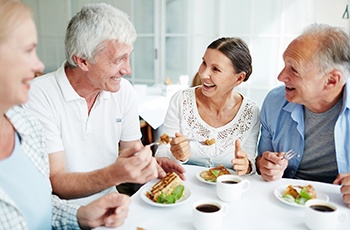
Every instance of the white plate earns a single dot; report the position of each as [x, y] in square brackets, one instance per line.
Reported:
[185, 197]
[279, 193]
[198, 175]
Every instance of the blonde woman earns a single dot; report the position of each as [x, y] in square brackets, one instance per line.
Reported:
[26, 200]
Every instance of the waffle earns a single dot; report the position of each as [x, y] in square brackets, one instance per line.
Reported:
[166, 186]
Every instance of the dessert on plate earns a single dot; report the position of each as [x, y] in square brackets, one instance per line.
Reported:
[299, 194]
[167, 190]
[213, 173]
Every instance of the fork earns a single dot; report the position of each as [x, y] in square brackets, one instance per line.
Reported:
[189, 139]
[200, 142]
[155, 143]
[289, 155]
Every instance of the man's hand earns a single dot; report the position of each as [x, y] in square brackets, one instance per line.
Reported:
[344, 181]
[134, 165]
[109, 210]
[167, 165]
[271, 166]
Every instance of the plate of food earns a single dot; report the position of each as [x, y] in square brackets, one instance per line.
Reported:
[297, 195]
[167, 192]
[209, 176]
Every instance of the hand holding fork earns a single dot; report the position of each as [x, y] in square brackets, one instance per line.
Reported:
[289, 155]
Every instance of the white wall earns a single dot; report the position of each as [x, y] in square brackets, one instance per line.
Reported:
[266, 25]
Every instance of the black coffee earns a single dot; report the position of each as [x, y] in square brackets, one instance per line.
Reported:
[207, 208]
[229, 182]
[322, 208]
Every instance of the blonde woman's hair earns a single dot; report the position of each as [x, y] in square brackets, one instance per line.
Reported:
[12, 14]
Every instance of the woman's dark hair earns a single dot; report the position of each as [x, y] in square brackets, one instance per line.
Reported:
[237, 51]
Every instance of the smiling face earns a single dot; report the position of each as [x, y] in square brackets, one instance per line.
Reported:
[111, 64]
[217, 74]
[304, 81]
[18, 64]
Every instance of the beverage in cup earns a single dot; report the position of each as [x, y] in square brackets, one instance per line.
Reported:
[208, 215]
[229, 188]
[323, 215]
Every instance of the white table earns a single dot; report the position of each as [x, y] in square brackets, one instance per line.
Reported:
[258, 208]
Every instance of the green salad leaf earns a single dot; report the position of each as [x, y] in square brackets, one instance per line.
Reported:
[173, 197]
[301, 200]
[178, 191]
[170, 199]
[288, 198]
[302, 197]
[303, 193]
[161, 198]
[215, 172]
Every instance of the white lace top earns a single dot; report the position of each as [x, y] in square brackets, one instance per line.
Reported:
[183, 117]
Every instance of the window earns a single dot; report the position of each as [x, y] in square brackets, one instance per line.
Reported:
[173, 34]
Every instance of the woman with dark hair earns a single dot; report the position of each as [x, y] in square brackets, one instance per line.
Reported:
[214, 110]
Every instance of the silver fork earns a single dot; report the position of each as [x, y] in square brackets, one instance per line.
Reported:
[150, 145]
[200, 142]
[155, 143]
[289, 155]
[189, 139]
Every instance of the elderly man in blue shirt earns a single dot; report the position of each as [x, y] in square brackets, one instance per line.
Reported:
[311, 112]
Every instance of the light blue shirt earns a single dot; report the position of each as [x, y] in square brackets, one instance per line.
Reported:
[64, 214]
[27, 187]
[282, 129]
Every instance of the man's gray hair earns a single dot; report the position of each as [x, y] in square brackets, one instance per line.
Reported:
[333, 47]
[92, 26]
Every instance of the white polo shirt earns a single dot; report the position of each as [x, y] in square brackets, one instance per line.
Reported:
[90, 141]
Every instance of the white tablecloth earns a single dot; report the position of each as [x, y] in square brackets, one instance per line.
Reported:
[258, 208]
[153, 108]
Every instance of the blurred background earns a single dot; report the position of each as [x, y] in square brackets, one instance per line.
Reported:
[173, 34]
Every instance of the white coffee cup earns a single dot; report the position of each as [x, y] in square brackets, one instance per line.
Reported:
[208, 215]
[229, 188]
[323, 215]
